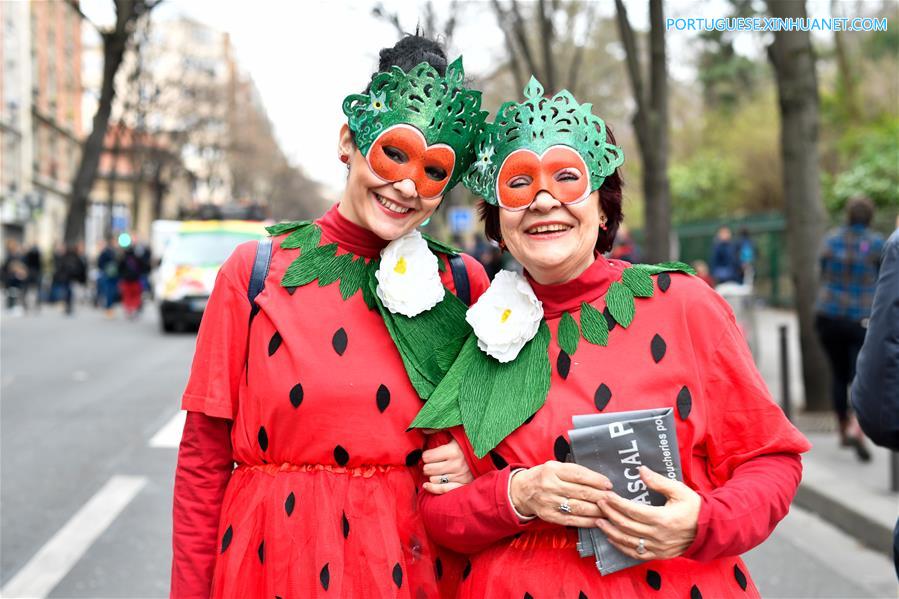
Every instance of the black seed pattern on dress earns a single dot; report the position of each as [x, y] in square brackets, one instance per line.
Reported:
[289, 503]
[741, 578]
[654, 579]
[582, 595]
[684, 403]
[296, 395]
[658, 347]
[261, 552]
[274, 343]
[498, 460]
[531, 417]
[226, 538]
[528, 596]
[325, 577]
[346, 526]
[341, 456]
[664, 280]
[561, 449]
[609, 320]
[382, 397]
[467, 570]
[291, 290]
[602, 396]
[397, 575]
[563, 364]
[694, 592]
[263, 438]
[339, 341]
[413, 457]
[438, 569]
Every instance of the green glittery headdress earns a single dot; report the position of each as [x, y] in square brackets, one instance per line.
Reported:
[440, 107]
[537, 124]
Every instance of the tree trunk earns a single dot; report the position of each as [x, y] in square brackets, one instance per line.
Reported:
[793, 60]
[546, 44]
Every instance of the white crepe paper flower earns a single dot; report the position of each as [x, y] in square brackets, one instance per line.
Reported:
[506, 317]
[408, 276]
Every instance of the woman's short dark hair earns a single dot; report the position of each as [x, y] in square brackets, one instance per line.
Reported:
[409, 52]
[609, 201]
[859, 210]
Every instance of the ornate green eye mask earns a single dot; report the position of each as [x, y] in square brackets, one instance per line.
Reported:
[447, 114]
[537, 125]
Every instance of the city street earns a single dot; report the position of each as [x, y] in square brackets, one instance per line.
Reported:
[90, 425]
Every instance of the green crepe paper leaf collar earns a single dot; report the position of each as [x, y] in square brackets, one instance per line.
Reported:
[569, 334]
[638, 281]
[594, 325]
[620, 301]
[279, 228]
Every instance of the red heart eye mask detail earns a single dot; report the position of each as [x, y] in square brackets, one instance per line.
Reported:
[401, 152]
[559, 170]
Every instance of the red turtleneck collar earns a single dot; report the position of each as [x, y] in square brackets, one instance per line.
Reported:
[587, 287]
[349, 236]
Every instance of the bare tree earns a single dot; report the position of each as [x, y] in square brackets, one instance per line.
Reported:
[115, 41]
[429, 27]
[651, 126]
[793, 60]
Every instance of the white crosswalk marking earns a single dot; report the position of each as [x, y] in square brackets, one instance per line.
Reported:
[170, 434]
[58, 555]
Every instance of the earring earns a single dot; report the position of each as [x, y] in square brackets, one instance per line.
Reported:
[344, 158]
[602, 224]
[425, 222]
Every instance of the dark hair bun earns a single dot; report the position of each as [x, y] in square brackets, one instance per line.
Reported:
[413, 50]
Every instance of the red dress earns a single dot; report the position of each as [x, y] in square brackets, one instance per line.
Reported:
[323, 499]
[682, 350]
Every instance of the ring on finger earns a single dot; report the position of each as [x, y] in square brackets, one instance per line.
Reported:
[565, 507]
[641, 546]
[444, 479]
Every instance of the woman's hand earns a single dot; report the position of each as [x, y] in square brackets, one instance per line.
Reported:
[446, 467]
[666, 530]
[541, 490]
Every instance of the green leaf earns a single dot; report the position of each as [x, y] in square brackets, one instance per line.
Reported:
[352, 278]
[594, 325]
[655, 269]
[442, 408]
[496, 398]
[440, 247]
[638, 281]
[620, 301]
[331, 269]
[305, 268]
[368, 289]
[280, 228]
[568, 334]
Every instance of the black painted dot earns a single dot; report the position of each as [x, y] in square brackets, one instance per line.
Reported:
[498, 460]
[531, 417]
[602, 396]
[684, 403]
[341, 455]
[664, 280]
[274, 343]
[289, 503]
[339, 341]
[741, 578]
[438, 569]
[262, 436]
[467, 570]
[694, 592]
[397, 575]
[325, 577]
[345, 522]
[610, 321]
[291, 290]
[261, 552]
[296, 395]
[382, 398]
[561, 449]
[582, 595]
[658, 347]
[226, 538]
[563, 364]
[528, 596]
[413, 457]
[654, 579]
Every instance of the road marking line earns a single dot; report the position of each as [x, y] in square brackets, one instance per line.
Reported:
[53, 561]
[170, 434]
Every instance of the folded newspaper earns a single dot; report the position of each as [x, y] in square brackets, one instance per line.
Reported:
[616, 445]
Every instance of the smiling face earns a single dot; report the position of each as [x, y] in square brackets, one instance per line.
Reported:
[391, 207]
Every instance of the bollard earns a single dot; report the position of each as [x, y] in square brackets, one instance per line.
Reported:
[785, 373]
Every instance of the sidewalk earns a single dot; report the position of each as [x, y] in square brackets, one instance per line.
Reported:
[851, 495]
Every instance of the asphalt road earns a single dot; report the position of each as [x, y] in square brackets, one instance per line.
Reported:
[88, 428]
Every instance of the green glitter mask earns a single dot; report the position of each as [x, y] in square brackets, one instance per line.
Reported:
[440, 107]
[538, 124]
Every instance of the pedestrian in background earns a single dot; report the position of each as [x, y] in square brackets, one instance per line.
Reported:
[108, 279]
[724, 263]
[15, 275]
[850, 259]
[746, 254]
[130, 270]
[34, 284]
[69, 268]
[875, 391]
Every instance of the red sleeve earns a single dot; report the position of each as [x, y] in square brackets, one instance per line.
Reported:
[204, 467]
[740, 515]
[221, 352]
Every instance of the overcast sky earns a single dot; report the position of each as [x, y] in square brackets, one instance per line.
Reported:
[306, 56]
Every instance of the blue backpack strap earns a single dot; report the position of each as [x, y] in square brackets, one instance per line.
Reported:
[460, 278]
[260, 271]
